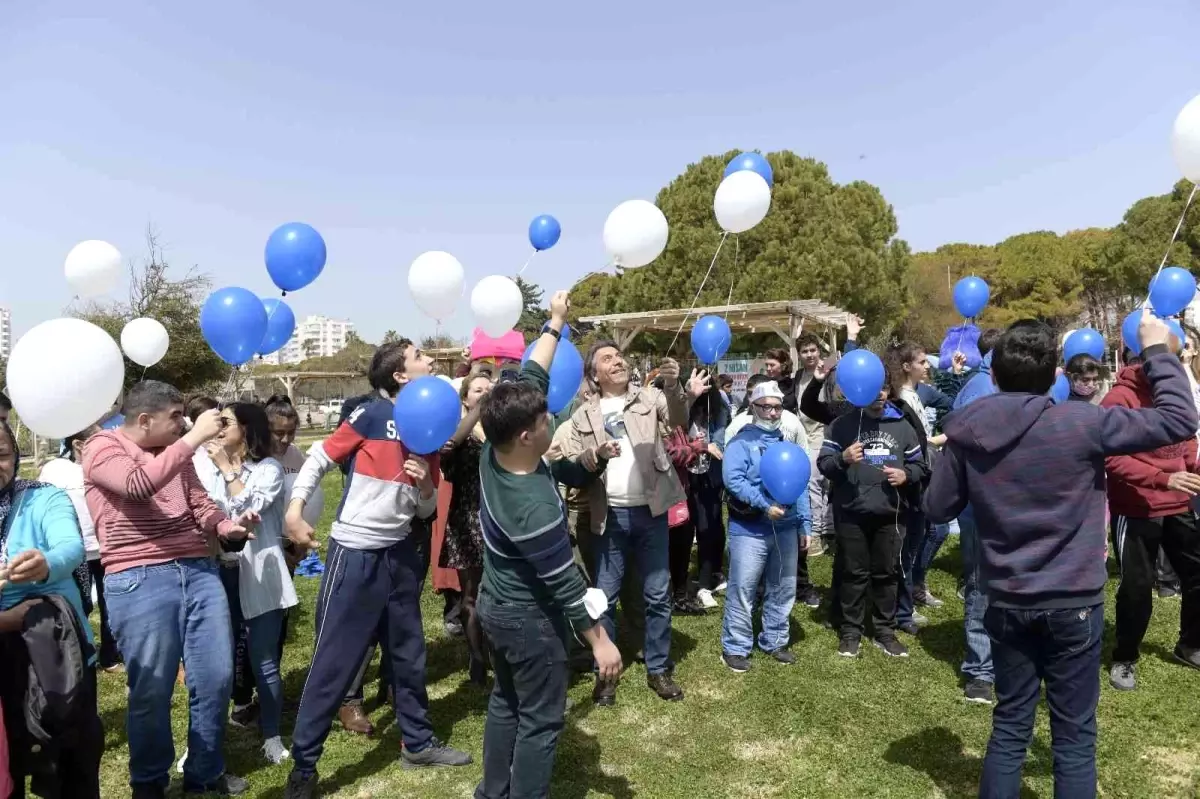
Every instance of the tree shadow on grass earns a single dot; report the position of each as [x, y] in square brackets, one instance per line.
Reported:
[578, 770]
[940, 754]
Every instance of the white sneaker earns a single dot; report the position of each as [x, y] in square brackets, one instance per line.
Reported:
[182, 760]
[721, 586]
[706, 598]
[274, 750]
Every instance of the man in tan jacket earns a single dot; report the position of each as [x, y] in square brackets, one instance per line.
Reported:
[625, 426]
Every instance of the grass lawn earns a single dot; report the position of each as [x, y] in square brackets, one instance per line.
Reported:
[826, 727]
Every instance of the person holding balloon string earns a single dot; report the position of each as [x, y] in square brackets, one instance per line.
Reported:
[875, 462]
[766, 479]
[628, 506]
[463, 546]
[374, 568]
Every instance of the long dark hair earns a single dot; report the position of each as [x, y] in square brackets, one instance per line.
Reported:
[255, 428]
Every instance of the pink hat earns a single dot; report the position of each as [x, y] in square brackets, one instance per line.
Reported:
[509, 347]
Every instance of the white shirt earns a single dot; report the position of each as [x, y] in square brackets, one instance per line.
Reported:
[68, 475]
[314, 506]
[264, 583]
[623, 481]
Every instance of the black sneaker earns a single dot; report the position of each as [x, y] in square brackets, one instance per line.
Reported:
[783, 656]
[809, 597]
[225, 785]
[921, 596]
[908, 627]
[436, 754]
[736, 663]
[1187, 656]
[980, 692]
[664, 685]
[687, 606]
[1168, 591]
[301, 786]
[148, 790]
[605, 693]
[848, 648]
[245, 716]
[891, 647]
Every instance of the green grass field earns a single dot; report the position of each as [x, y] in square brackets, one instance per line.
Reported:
[825, 727]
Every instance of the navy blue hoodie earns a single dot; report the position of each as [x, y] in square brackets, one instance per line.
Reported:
[1033, 472]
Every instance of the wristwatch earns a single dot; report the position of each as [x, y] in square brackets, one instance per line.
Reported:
[231, 477]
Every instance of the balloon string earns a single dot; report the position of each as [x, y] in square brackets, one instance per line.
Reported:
[1178, 225]
[530, 258]
[736, 254]
[696, 299]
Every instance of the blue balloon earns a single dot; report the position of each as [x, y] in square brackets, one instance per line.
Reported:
[1061, 390]
[860, 376]
[544, 231]
[1172, 291]
[754, 162]
[233, 322]
[295, 255]
[1084, 341]
[971, 296]
[427, 412]
[784, 469]
[711, 338]
[281, 323]
[1129, 331]
[566, 374]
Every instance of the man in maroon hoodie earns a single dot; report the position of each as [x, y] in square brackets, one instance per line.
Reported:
[1150, 498]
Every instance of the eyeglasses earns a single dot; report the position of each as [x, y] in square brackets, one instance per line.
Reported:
[769, 410]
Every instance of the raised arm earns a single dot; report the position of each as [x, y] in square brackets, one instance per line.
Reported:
[547, 343]
[1171, 420]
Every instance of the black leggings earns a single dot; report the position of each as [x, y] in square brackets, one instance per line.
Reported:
[469, 580]
[704, 506]
[679, 555]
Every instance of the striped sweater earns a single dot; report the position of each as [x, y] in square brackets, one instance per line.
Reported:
[149, 507]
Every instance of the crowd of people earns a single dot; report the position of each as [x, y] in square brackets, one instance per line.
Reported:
[189, 519]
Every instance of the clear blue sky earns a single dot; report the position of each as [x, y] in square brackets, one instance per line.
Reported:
[396, 128]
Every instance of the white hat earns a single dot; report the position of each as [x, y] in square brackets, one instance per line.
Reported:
[766, 390]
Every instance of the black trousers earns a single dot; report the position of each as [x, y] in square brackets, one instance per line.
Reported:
[526, 711]
[707, 516]
[679, 556]
[108, 655]
[1137, 542]
[71, 772]
[868, 548]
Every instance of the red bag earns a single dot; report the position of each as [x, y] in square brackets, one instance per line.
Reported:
[678, 514]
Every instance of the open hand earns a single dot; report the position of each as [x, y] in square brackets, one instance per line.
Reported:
[608, 660]
[698, 383]
[715, 451]
[609, 450]
[1185, 482]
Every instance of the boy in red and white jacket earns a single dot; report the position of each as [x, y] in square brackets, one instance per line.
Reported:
[1150, 498]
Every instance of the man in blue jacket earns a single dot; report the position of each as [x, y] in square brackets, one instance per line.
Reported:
[764, 538]
[1034, 473]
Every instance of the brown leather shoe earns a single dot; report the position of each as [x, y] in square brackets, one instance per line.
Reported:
[354, 720]
[664, 686]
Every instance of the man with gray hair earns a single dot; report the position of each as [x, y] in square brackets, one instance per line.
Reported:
[158, 529]
[623, 427]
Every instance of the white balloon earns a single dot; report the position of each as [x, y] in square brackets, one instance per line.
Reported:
[63, 376]
[435, 281]
[742, 201]
[635, 233]
[1185, 140]
[496, 303]
[314, 506]
[145, 341]
[93, 268]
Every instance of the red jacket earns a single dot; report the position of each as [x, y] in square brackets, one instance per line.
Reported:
[1137, 484]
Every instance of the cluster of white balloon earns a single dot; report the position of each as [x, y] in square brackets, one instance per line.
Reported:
[66, 373]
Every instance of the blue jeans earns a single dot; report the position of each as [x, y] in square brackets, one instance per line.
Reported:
[935, 536]
[633, 534]
[264, 660]
[1062, 648]
[977, 662]
[160, 614]
[528, 703]
[910, 549]
[772, 559]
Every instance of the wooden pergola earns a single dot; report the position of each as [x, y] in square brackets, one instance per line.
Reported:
[785, 318]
